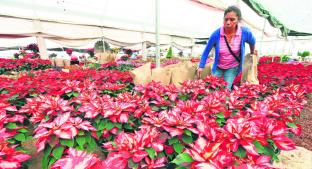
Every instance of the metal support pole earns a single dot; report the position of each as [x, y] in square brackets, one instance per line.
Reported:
[157, 34]
[260, 48]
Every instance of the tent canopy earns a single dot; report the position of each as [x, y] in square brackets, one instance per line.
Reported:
[130, 23]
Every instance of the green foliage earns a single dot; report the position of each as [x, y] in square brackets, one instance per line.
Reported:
[241, 152]
[303, 54]
[182, 158]
[284, 58]
[169, 53]
[98, 46]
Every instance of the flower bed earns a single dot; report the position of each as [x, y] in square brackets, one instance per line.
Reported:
[269, 59]
[8, 65]
[198, 125]
[282, 74]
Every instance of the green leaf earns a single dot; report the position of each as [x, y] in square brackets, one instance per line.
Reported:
[13, 97]
[102, 125]
[127, 126]
[92, 144]
[46, 155]
[11, 125]
[161, 154]
[118, 125]
[79, 148]
[34, 95]
[81, 141]
[178, 147]
[76, 94]
[97, 120]
[20, 137]
[21, 149]
[88, 138]
[22, 130]
[81, 133]
[187, 139]
[132, 164]
[151, 152]
[52, 161]
[187, 132]
[220, 115]
[241, 152]
[292, 125]
[220, 122]
[69, 94]
[155, 108]
[182, 158]
[109, 125]
[272, 154]
[260, 148]
[67, 142]
[11, 141]
[173, 140]
[180, 167]
[58, 152]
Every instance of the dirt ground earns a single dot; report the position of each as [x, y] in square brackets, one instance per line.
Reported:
[305, 140]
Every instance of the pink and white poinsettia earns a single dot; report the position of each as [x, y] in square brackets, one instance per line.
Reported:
[5, 106]
[154, 163]
[10, 158]
[118, 111]
[133, 145]
[92, 104]
[277, 131]
[156, 119]
[33, 108]
[176, 122]
[63, 126]
[261, 162]
[206, 153]
[214, 103]
[72, 85]
[77, 160]
[242, 132]
[53, 105]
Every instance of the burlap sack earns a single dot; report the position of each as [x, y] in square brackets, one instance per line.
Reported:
[206, 70]
[142, 74]
[162, 75]
[250, 72]
[105, 57]
[66, 63]
[300, 158]
[183, 71]
[52, 60]
[59, 62]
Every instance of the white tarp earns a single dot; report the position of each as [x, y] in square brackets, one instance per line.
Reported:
[123, 22]
[177, 17]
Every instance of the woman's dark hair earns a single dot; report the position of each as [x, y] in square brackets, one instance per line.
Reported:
[235, 10]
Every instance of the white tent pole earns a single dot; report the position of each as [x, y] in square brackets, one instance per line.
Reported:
[42, 47]
[260, 48]
[144, 55]
[157, 34]
[103, 41]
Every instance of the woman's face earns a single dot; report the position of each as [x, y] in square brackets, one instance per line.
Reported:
[230, 20]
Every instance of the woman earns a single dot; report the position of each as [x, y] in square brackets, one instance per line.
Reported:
[229, 42]
[73, 59]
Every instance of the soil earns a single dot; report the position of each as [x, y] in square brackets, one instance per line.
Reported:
[305, 139]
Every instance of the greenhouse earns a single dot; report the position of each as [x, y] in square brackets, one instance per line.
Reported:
[143, 84]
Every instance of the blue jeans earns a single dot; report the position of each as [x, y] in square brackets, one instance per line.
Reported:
[229, 75]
